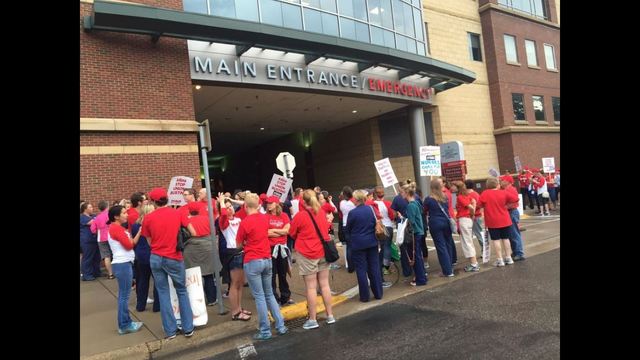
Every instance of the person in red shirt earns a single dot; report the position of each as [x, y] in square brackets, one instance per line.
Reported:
[160, 228]
[524, 179]
[466, 209]
[516, 238]
[133, 212]
[253, 238]
[280, 253]
[478, 216]
[494, 201]
[198, 251]
[313, 265]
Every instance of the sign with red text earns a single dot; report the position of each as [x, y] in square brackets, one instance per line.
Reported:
[279, 187]
[176, 187]
[195, 291]
[455, 170]
[385, 171]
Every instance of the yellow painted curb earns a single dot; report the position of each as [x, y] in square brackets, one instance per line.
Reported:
[524, 216]
[299, 310]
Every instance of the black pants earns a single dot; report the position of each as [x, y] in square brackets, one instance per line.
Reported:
[279, 269]
[143, 274]
[209, 285]
[526, 198]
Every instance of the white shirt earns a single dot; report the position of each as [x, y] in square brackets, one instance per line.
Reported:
[295, 207]
[386, 221]
[120, 254]
[345, 207]
[231, 231]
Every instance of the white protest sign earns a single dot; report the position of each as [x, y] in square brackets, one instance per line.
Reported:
[520, 206]
[193, 282]
[452, 151]
[516, 159]
[385, 171]
[493, 172]
[176, 187]
[548, 165]
[279, 187]
[430, 161]
[486, 248]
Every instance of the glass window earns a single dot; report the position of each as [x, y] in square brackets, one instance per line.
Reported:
[382, 37]
[417, 23]
[196, 6]
[532, 58]
[474, 47]
[518, 106]
[271, 12]
[522, 5]
[329, 5]
[536, 8]
[313, 20]
[421, 50]
[353, 8]
[538, 107]
[411, 46]
[401, 42]
[555, 101]
[222, 8]
[291, 15]
[510, 48]
[539, 8]
[408, 20]
[398, 15]
[330, 24]
[550, 57]
[416, 3]
[380, 13]
[362, 32]
[247, 10]
[347, 28]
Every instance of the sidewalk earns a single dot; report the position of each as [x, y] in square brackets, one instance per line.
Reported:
[99, 338]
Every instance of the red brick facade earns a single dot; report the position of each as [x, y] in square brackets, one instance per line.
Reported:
[126, 76]
[506, 79]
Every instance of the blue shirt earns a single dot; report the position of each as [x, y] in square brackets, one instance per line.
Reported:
[85, 229]
[414, 214]
[361, 226]
[435, 213]
[142, 248]
[399, 204]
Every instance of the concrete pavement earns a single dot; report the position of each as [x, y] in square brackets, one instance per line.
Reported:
[99, 338]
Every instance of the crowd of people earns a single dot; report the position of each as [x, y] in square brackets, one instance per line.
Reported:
[258, 234]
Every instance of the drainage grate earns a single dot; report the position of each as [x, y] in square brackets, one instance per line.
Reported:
[295, 323]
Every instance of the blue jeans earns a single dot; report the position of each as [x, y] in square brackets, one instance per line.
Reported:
[124, 274]
[478, 227]
[258, 274]
[385, 245]
[161, 268]
[516, 238]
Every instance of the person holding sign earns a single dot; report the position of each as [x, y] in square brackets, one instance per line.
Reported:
[122, 245]
[280, 253]
[466, 208]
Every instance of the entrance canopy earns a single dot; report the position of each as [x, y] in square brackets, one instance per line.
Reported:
[157, 22]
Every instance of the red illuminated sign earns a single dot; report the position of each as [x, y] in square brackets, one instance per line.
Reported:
[397, 87]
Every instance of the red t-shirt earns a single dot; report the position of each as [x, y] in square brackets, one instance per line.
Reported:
[307, 241]
[241, 214]
[495, 203]
[447, 192]
[523, 180]
[476, 196]
[117, 232]
[278, 222]
[200, 224]
[374, 206]
[328, 208]
[184, 212]
[162, 226]
[462, 203]
[512, 205]
[132, 218]
[253, 233]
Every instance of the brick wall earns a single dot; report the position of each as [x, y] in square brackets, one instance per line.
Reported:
[136, 138]
[117, 176]
[530, 147]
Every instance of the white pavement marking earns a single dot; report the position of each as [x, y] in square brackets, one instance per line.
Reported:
[544, 222]
[246, 350]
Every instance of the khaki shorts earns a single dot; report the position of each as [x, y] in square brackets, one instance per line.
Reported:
[312, 266]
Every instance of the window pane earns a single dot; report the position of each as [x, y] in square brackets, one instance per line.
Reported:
[329, 5]
[503, 2]
[222, 8]
[522, 5]
[353, 8]
[474, 47]
[518, 106]
[347, 28]
[550, 57]
[411, 46]
[555, 101]
[401, 42]
[416, 3]
[362, 32]
[377, 36]
[510, 48]
[196, 6]
[532, 58]
[375, 13]
[538, 106]
[398, 15]
[417, 23]
[539, 9]
[271, 12]
[389, 39]
[380, 13]
[247, 10]
[313, 20]
[292, 16]
[330, 24]
[421, 49]
[408, 20]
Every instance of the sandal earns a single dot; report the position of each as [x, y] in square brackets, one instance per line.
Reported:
[240, 316]
[111, 277]
[246, 312]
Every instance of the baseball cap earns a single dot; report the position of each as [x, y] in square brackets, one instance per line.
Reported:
[273, 199]
[158, 193]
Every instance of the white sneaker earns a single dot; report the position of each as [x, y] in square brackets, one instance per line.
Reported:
[331, 319]
[149, 301]
[498, 263]
[310, 324]
[508, 261]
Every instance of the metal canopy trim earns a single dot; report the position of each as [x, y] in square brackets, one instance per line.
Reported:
[142, 19]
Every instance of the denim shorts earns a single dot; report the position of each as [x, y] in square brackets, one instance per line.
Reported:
[235, 261]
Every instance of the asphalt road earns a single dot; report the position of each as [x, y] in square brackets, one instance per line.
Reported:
[503, 313]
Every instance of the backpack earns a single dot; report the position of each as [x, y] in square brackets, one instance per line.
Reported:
[183, 236]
